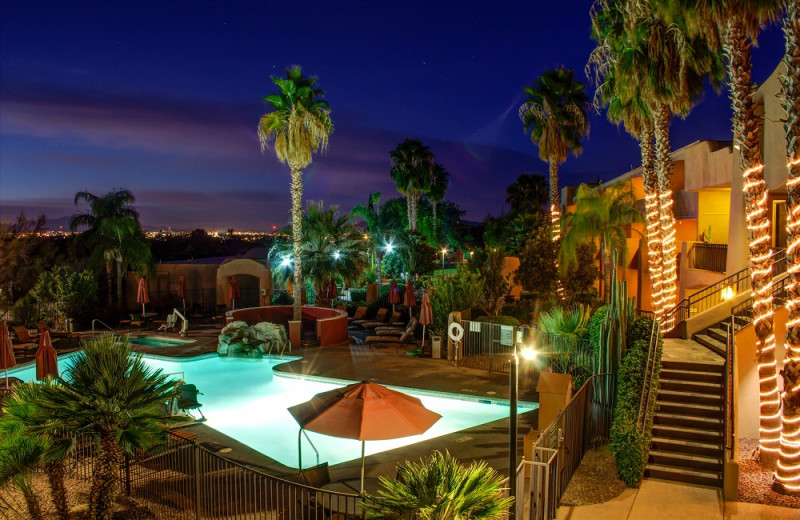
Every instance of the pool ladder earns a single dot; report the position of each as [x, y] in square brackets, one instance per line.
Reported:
[300, 435]
[101, 323]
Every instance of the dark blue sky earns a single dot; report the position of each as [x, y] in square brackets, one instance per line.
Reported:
[163, 98]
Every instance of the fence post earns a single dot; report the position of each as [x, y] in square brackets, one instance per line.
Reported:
[196, 450]
[127, 474]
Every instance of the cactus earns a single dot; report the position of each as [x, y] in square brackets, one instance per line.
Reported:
[614, 331]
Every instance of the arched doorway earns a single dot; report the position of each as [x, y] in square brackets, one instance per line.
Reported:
[255, 283]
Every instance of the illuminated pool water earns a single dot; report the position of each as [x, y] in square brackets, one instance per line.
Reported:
[157, 341]
[244, 399]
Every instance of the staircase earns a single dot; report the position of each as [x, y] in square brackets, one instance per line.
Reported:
[688, 426]
[715, 338]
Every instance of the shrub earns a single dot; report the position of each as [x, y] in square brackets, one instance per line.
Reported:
[453, 293]
[501, 320]
[629, 446]
[593, 331]
[564, 322]
[281, 298]
[358, 295]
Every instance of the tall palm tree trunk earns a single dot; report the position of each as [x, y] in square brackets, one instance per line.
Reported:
[408, 207]
[105, 484]
[787, 478]
[378, 266]
[31, 501]
[737, 47]
[55, 476]
[654, 254]
[663, 170]
[109, 286]
[606, 272]
[412, 224]
[120, 302]
[555, 204]
[433, 209]
[296, 190]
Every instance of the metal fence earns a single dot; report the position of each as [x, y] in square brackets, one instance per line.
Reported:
[486, 346]
[710, 257]
[185, 481]
[582, 425]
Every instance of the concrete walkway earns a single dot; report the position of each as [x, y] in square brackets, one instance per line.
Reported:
[660, 499]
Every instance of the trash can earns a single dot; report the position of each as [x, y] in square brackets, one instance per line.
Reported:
[70, 326]
[436, 347]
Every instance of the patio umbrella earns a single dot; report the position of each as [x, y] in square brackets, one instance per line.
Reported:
[234, 291]
[363, 411]
[182, 291]
[409, 300]
[141, 293]
[394, 294]
[425, 316]
[331, 292]
[46, 358]
[7, 359]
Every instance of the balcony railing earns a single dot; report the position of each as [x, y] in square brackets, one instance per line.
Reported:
[710, 257]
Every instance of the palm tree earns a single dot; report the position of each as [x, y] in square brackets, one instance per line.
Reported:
[554, 113]
[125, 245]
[435, 191]
[21, 418]
[528, 194]
[412, 163]
[440, 488]
[788, 473]
[300, 124]
[20, 455]
[332, 247]
[114, 204]
[601, 215]
[378, 227]
[108, 392]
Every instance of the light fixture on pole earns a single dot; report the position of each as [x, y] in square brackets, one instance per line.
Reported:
[528, 353]
[444, 252]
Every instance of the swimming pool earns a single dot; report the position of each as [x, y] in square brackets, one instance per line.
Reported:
[244, 399]
[157, 341]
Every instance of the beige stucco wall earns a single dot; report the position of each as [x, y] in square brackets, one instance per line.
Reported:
[243, 266]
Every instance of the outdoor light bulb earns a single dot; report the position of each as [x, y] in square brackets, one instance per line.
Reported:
[389, 248]
[286, 261]
[336, 255]
[444, 251]
[727, 293]
[528, 353]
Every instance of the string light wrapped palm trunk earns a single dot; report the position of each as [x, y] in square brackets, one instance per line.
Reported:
[555, 217]
[737, 47]
[663, 170]
[653, 220]
[787, 477]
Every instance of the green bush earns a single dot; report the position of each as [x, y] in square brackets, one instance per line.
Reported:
[456, 292]
[281, 298]
[501, 320]
[629, 446]
[593, 332]
[358, 295]
[640, 329]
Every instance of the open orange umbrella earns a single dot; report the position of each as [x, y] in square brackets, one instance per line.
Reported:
[394, 294]
[46, 358]
[364, 411]
[409, 300]
[234, 292]
[7, 359]
[425, 315]
[141, 293]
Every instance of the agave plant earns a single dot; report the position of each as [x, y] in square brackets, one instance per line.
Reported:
[440, 488]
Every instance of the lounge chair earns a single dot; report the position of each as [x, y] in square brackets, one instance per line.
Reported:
[377, 321]
[187, 400]
[360, 314]
[406, 337]
[24, 341]
[172, 320]
[395, 331]
[136, 321]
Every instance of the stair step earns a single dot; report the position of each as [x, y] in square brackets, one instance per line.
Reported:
[691, 375]
[710, 343]
[702, 423]
[688, 447]
[704, 478]
[719, 334]
[685, 460]
[695, 410]
[675, 396]
[691, 386]
[683, 433]
[694, 367]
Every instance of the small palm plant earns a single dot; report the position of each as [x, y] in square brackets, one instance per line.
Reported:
[440, 488]
[20, 455]
[109, 393]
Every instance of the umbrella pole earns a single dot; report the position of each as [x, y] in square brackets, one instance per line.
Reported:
[300, 451]
[362, 466]
[6, 371]
[423, 338]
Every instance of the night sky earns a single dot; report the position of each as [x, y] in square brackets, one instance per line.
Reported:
[163, 98]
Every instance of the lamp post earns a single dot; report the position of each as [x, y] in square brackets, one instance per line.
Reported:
[528, 353]
[444, 252]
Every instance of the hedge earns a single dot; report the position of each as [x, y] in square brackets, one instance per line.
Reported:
[501, 320]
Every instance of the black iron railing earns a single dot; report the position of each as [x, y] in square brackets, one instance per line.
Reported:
[710, 257]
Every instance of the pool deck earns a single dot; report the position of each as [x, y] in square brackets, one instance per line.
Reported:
[358, 362]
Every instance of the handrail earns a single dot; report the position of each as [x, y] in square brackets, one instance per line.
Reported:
[746, 306]
[728, 415]
[101, 323]
[710, 296]
[713, 257]
[300, 451]
[647, 383]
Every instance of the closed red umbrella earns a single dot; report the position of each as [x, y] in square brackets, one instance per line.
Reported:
[394, 294]
[331, 291]
[141, 293]
[425, 315]
[409, 300]
[182, 291]
[364, 411]
[234, 292]
[46, 358]
[7, 359]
